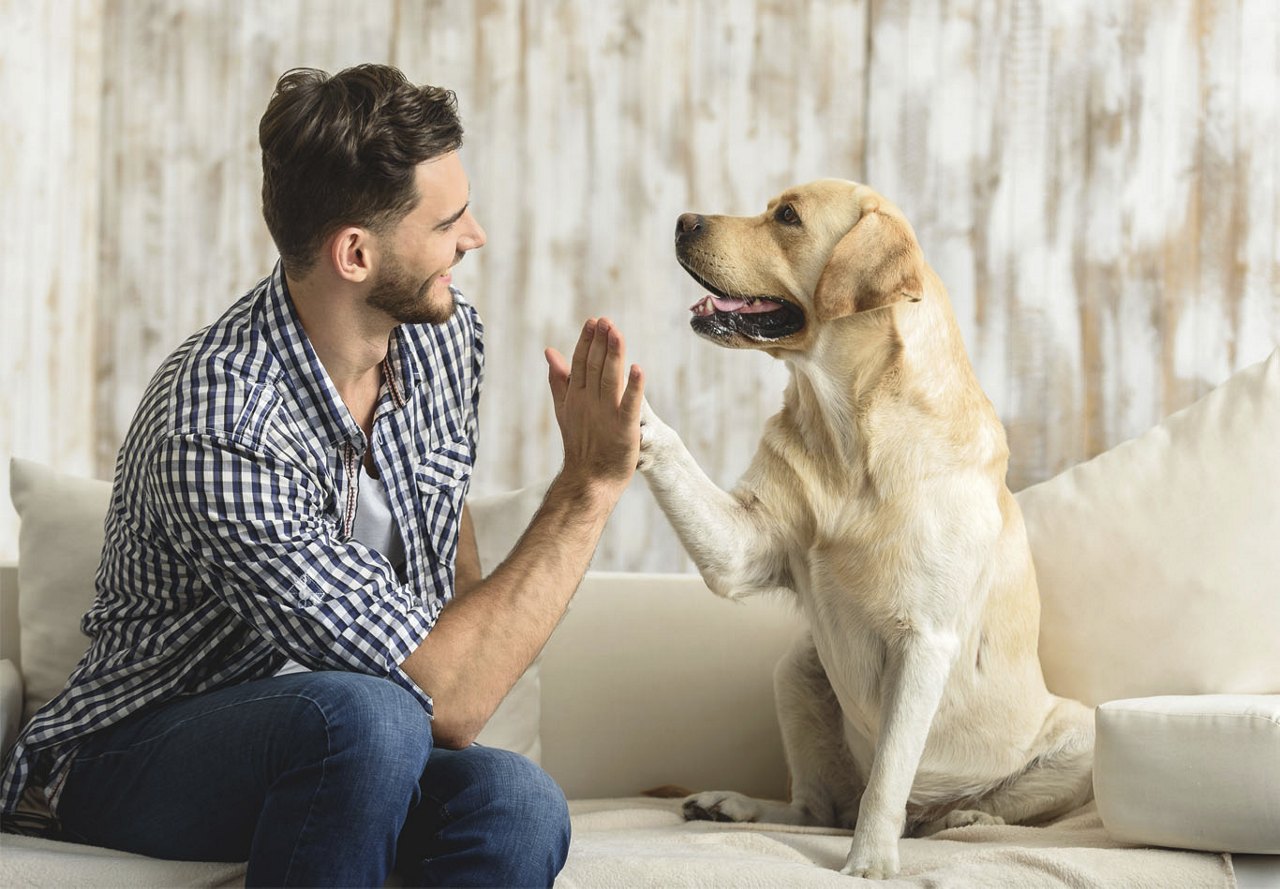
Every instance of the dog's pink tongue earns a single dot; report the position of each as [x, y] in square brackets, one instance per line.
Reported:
[742, 306]
[728, 305]
[711, 303]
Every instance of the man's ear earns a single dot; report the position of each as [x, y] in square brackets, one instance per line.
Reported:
[876, 263]
[350, 254]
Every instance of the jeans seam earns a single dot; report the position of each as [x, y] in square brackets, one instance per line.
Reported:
[177, 725]
[328, 747]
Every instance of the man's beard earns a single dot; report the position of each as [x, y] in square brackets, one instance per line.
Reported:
[398, 293]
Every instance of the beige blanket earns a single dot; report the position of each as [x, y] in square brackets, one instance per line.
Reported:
[634, 843]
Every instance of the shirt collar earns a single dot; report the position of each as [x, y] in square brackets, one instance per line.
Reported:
[307, 377]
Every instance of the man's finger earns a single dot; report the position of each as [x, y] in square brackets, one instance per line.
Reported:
[633, 396]
[611, 375]
[557, 376]
[595, 356]
[578, 375]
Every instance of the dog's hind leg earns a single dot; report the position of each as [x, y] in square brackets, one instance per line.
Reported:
[824, 786]
[1057, 781]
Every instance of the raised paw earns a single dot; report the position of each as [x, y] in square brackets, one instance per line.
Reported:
[653, 433]
[721, 805]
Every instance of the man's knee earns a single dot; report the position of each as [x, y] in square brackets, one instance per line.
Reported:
[524, 798]
[370, 722]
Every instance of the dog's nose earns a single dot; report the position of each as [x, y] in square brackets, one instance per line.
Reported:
[689, 225]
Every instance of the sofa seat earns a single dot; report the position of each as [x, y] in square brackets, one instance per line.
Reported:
[638, 842]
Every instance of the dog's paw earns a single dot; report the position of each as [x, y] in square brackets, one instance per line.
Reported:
[654, 435]
[874, 860]
[721, 805]
[967, 818]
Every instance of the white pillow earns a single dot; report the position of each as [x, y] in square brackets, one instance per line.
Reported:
[1159, 560]
[499, 521]
[10, 704]
[59, 547]
[1194, 772]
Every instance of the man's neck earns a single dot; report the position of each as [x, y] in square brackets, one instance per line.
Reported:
[349, 341]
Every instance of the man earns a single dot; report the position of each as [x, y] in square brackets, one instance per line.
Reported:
[280, 670]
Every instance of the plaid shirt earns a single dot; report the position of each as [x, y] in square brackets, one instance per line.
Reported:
[228, 541]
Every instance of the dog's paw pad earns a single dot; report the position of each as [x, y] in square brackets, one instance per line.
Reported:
[720, 806]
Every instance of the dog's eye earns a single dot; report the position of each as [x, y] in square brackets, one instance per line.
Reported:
[787, 215]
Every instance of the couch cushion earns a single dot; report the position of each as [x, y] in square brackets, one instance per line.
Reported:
[59, 547]
[32, 861]
[1158, 561]
[1195, 772]
[652, 679]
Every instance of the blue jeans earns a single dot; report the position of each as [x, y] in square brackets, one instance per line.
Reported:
[315, 779]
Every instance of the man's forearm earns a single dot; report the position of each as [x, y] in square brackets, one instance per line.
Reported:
[484, 641]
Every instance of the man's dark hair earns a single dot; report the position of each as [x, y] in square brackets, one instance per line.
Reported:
[342, 150]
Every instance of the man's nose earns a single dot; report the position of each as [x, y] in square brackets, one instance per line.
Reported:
[476, 238]
[689, 226]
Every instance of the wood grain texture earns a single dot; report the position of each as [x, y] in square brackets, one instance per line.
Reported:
[1096, 182]
[50, 188]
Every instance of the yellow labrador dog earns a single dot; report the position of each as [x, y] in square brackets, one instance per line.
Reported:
[877, 497]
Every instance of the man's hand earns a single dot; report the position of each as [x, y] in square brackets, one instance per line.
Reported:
[598, 408]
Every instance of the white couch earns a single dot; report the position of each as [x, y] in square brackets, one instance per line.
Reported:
[1160, 576]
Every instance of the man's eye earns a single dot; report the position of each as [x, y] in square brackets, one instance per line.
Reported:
[787, 215]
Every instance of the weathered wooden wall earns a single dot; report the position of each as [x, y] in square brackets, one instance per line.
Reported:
[1097, 182]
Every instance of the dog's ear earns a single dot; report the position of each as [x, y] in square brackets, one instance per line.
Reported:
[876, 263]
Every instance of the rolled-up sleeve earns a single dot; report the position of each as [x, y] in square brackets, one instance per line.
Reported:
[253, 525]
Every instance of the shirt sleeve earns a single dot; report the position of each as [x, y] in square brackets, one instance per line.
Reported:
[253, 525]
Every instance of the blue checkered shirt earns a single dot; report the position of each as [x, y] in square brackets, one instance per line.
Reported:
[228, 541]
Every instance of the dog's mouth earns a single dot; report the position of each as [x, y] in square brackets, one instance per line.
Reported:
[763, 318]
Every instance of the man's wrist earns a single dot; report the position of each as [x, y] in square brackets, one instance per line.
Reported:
[588, 493]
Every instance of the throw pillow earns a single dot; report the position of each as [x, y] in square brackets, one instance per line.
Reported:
[1193, 772]
[59, 547]
[1158, 561]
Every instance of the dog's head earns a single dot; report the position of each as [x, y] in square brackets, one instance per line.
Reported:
[819, 252]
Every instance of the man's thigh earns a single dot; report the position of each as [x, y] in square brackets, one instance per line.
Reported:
[189, 779]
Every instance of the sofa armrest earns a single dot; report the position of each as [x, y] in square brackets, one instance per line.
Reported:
[10, 703]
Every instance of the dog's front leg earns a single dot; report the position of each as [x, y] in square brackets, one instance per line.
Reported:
[916, 671]
[726, 539]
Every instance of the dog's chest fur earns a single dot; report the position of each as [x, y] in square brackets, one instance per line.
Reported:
[886, 538]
